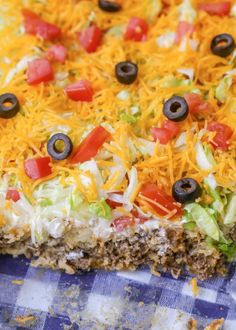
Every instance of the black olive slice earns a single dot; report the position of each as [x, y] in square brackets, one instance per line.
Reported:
[126, 72]
[222, 45]
[9, 105]
[109, 6]
[54, 151]
[176, 108]
[186, 190]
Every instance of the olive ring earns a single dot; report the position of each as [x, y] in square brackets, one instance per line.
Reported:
[186, 190]
[126, 72]
[9, 105]
[53, 150]
[109, 6]
[222, 45]
[176, 108]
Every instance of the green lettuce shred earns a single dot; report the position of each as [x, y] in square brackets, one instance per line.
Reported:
[130, 119]
[101, 209]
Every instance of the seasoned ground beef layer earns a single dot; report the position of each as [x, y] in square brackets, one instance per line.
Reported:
[170, 249]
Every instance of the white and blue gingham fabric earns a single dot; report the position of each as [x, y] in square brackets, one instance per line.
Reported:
[110, 300]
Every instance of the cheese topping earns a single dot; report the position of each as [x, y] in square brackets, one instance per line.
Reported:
[131, 158]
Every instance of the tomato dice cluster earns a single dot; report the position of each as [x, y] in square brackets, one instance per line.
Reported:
[155, 194]
[223, 134]
[164, 134]
[35, 25]
[195, 103]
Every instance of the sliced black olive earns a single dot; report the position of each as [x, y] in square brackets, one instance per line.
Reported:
[222, 45]
[109, 6]
[176, 108]
[186, 190]
[9, 105]
[54, 151]
[126, 72]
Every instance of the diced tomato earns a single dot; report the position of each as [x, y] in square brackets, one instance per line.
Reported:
[57, 53]
[80, 91]
[163, 135]
[141, 218]
[38, 71]
[90, 146]
[183, 29]
[37, 168]
[153, 192]
[13, 195]
[122, 222]
[90, 38]
[223, 134]
[172, 127]
[136, 29]
[35, 25]
[195, 102]
[218, 8]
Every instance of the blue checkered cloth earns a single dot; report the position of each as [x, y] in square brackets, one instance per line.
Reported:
[109, 300]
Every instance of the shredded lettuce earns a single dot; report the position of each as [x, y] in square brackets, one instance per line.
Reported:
[172, 81]
[230, 216]
[116, 31]
[130, 119]
[166, 40]
[187, 12]
[223, 87]
[204, 156]
[233, 11]
[211, 184]
[154, 9]
[123, 95]
[45, 202]
[228, 249]
[75, 200]
[101, 209]
[204, 220]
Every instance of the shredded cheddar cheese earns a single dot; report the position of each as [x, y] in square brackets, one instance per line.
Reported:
[45, 108]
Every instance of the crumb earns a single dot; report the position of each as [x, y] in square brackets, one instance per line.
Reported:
[192, 324]
[195, 289]
[215, 325]
[25, 319]
[17, 282]
[141, 303]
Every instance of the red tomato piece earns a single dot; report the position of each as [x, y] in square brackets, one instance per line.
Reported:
[80, 91]
[195, 102]
[220, 8]
[112, 203]
[90, 38]
[57, 53]
[13, 195]
[38, 71]
[183, 29]
[37, 168]
[153, 192]
[122, 222]
[136, 29]
[141, 218]
[90, 146]
[163, 135]
[172, 127]
[35, 25]
[223, 134]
